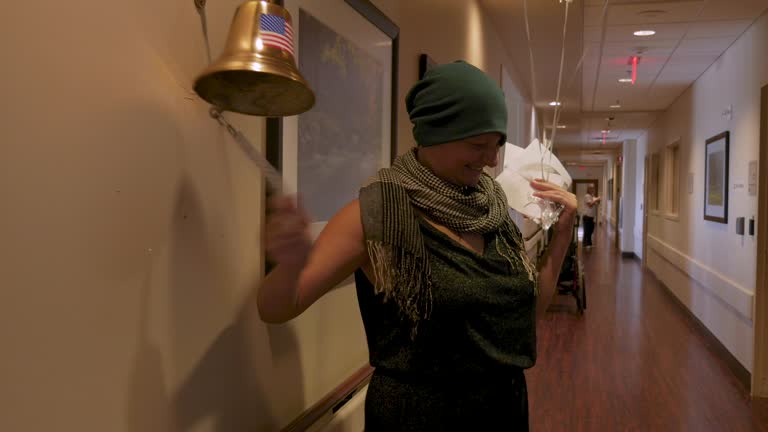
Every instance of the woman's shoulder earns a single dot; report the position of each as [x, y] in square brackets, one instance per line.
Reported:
[345, 230]
[349, 214]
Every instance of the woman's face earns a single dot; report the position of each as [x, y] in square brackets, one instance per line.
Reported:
[462, 162]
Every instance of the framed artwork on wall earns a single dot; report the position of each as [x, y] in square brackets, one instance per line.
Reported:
[716, 178]
[347, 51]
[425, 63]
[610, 190]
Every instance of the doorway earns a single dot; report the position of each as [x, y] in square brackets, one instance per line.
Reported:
[579, 188]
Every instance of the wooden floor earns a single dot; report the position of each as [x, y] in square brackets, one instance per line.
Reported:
[632, 362]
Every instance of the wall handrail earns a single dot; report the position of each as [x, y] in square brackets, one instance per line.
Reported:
[331, 401]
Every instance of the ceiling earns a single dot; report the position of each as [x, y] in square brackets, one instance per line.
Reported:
[599, 43]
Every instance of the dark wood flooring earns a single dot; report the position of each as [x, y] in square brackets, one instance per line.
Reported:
[633, 362]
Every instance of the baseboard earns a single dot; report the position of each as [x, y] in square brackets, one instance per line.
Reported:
[629, 255]
[739, 371]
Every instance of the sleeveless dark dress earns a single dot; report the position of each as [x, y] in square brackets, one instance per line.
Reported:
[464, 369]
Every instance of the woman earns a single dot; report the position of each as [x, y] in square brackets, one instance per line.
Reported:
[447, 294]
[590, 212]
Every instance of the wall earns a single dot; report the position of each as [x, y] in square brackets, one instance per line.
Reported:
[708, 267]
[629, 195]
[131, 230]
[131, 225]
[446, 30]
[610, 200]
[639, 187]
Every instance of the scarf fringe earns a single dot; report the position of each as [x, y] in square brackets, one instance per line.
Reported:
[404, 278]
[519, 261]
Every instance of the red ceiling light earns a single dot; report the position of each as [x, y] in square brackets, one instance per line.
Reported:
[635, 60]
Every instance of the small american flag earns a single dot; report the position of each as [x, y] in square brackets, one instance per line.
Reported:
[276, 32]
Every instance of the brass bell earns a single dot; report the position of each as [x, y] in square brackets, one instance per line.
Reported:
[256, 74]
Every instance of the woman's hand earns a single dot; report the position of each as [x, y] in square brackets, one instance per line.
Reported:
[554, 193]
[287, 232]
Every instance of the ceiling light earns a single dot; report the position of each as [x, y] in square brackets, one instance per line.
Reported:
[645, 33]
[652, 13]
[615, 106]
[561, 126]
[554, 103]
[625, 80]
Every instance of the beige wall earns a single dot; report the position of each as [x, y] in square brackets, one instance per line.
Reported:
[131, 230]
[629, 198]
[131, 225]
[638, 182]
[446, 30]
[709, 267]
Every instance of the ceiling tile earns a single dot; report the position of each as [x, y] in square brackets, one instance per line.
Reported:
[733, 9]
[708, 45]
[676, 77]
[593, 16]
[593, 34]
[654, 12]
[625, 33]
[710, 29]
[658, 48]
[693, 59]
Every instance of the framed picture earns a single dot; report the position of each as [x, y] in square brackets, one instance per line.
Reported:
[610, 189]
[716, 178]
[425, 63]
[347, 51]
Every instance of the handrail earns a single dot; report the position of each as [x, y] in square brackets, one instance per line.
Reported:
[342, 393]
[535, 233]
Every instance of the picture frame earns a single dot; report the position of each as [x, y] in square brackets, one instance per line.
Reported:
[610, 190]
[716, 161]
[425, 63]
[346, 50]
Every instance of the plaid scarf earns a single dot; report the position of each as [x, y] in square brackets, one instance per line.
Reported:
[393, 238]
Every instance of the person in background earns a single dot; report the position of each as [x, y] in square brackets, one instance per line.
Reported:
[590, 213]
[448, 296]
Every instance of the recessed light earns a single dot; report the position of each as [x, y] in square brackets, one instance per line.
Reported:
[652, 13]
[625, 80]
[561, 126]
[554, 103]
[615, 106]
[645, 33]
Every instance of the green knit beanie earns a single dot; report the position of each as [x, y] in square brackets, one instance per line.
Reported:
[455, 101]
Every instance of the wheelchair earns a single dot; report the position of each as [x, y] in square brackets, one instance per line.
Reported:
[571, 280]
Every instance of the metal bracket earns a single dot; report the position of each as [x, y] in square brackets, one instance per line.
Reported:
[200, 6]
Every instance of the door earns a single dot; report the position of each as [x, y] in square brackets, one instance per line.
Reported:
[644, 208]
[617, 204]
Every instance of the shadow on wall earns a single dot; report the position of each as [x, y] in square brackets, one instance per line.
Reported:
[248, 379]
[148, 407]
